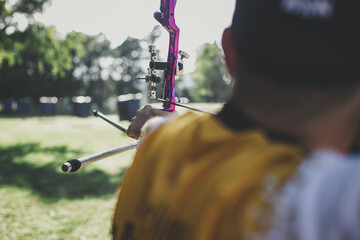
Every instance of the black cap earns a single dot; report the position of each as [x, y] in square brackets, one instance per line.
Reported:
[300, 42]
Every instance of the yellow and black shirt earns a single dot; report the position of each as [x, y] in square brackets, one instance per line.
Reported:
[195, 178]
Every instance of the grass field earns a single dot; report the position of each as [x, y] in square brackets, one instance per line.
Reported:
[38, 200]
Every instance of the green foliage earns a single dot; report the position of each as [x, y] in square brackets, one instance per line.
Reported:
[90, 67]
[28, 7]
[41, 46]
[129, 54]
[74, 42]
[41, 64]
[9, 12]
[211, 81]
[34, 61]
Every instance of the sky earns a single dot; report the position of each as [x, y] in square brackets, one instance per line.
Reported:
[200, 21]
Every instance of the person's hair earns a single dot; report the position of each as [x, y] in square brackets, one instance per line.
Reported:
[300, 42]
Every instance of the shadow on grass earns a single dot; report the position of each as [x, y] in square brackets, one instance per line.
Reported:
[46, 180]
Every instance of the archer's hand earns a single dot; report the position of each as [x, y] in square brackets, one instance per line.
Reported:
[141, 117]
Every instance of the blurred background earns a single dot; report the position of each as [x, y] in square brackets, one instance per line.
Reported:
[59, 60]
[52, 52]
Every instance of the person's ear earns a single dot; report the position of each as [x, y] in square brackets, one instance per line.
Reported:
[229, 52]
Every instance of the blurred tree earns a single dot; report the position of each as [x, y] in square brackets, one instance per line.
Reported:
[109, 72]
[184, 86]
[92, 69]
[211, 82]
[154, 35]
[34, 61]
[10, 7]
[128, 56]
[15, 16]
[41, 66]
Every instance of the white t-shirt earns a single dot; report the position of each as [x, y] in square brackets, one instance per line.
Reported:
[322, 202]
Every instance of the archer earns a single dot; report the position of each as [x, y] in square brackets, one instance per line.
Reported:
[296, 69]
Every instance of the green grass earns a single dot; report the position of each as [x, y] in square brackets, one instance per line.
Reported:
[38, 200]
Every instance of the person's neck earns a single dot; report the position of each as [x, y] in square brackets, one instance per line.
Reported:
[334, 128]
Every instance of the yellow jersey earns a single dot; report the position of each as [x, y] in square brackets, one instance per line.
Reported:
[194, 178]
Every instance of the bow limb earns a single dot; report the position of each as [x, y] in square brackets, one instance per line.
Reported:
[166, 17]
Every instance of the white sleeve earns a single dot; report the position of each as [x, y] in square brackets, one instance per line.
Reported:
[329, 205]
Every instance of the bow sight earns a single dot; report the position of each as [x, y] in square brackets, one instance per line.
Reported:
[152, 78]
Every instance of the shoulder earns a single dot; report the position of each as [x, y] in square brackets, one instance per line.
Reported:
[324, 198]
[184, 130]
[331, 199]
